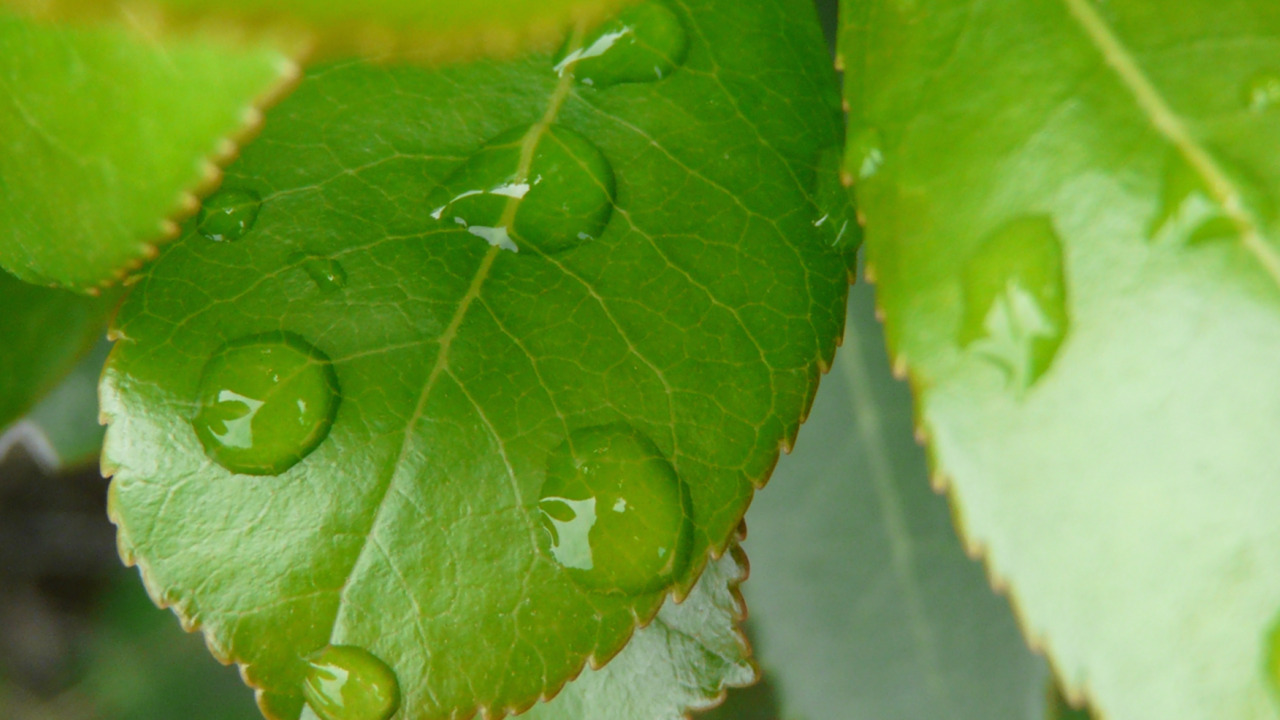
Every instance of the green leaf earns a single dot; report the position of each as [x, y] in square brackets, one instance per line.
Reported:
[45, 332]
[430, 30]
[683, 660]
[62, 431]
[863, 603]
[105, 135]
[1110, 439]
[468, 411]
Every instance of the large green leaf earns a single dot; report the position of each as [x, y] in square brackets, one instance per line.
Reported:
[863, 603]
[42, 335]
[1074, 234]
[105, 134]
[683, 660]
[666, 316]
[418, 29]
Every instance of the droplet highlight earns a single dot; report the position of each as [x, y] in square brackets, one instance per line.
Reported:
[327, 273]
[228, 214]
[545, 187]
[613, 512]
[265, 402]
[1262, 92]
[344, 682]
[864, 153]
[1015, 310]
[644, 43]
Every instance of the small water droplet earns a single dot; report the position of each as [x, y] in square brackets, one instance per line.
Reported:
[265, 402]
[864, 153]
[1262, 92]
[644, 43]
[1015, 311]
[614, 513]
[326, 273]
[228, 214]
[344, 682]
[546, 187]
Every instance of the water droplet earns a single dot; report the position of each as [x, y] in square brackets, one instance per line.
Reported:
[1015, 312]
[546, 187]
[228, 214]
[326, 273]
[1262, 92]
[265, 402]
[614, 513]
[864, 153]
[348, 683]
[644, 43]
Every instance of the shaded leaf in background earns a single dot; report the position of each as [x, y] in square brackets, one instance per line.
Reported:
[1127, 489]
[430, 30]
[62, 431]
[105, 134]
[693, 325]
[43, 333]
[863, 603]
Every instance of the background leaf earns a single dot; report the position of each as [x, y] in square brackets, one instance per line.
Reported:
[32, 358]
[698, 318]
[107, 134]
[432, 30]
[1110, 435]
[863, 603]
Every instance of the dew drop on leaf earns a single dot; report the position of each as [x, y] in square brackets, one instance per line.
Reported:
[1262, 92]
[327, 273]
[265, 402]
[344, 682]
[864, 153]
[1015, 312]
[644, 43]
[614, 513]
[228, 214]
[544, 187]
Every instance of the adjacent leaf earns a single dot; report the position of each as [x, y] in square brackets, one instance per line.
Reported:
[432, 30]
[639, 361]
[1074, 232]
[863, 603]
[43, 334]
[104, 136]
[62, 430]
[684, 660]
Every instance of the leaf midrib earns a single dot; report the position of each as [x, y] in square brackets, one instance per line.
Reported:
[440, 366]
[1169, 124]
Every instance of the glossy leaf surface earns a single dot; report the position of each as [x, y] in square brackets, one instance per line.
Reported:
[863, 603]
[470, 344]
[1124, 484]
[106, 133]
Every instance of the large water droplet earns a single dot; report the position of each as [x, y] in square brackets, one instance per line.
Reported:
[1015, 311]
[1262, 92]
[327, 273]
[545, 187]
[645, 42]
[228, 214]
[265, 402]
[864, 153]
[348, 683]
[614, 513]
